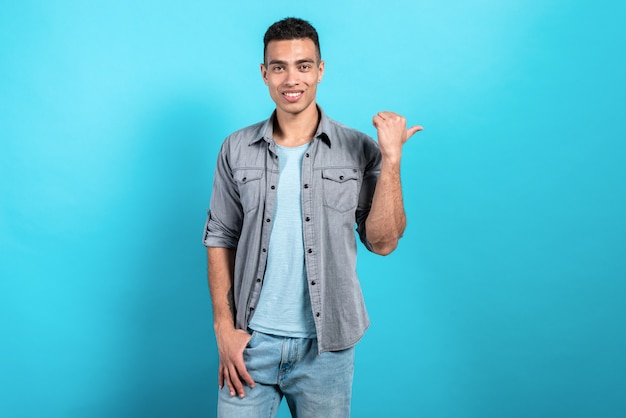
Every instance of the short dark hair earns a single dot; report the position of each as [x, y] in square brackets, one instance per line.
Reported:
[291, 28]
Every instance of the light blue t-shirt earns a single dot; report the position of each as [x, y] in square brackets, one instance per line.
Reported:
[284, 306]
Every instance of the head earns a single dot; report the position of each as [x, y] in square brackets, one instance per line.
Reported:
[288, 29]
[292, 66]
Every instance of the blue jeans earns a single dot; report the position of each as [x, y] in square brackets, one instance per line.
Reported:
[314, 385]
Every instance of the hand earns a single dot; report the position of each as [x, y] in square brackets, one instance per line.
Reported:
[392, 133]
[232, 370]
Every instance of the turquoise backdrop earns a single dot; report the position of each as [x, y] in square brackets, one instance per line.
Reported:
[507, 295]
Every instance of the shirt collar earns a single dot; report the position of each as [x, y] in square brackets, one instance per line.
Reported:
[323, 128]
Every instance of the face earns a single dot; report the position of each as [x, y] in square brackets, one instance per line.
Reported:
[292, 71]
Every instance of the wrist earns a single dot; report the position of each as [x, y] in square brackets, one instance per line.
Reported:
[391, 159]
[223, 325]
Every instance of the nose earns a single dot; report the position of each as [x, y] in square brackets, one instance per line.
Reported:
[292, 78]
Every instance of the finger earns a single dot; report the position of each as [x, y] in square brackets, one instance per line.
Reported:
[377, 120]
[231, 388]
[413, 130]
[236, 382]
[220, 376]
[243, 373]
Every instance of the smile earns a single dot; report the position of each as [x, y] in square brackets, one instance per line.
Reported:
[292, 96]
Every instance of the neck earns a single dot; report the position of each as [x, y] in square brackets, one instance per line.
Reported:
[294, 130]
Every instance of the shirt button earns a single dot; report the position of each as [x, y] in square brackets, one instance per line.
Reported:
[316, 314]
[258, 280]
[306, 155]
[307, 219]
[268, 220]
[313, 283]
[264, 250]
[244, 179]
[252, 308]
[309, 251]
[306, 186]
[340, 177]
[273, 187]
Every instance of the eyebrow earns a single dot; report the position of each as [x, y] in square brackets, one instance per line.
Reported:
[300, 61]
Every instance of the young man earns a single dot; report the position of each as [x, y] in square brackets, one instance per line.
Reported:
[287, 194]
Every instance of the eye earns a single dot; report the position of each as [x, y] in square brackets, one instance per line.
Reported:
[277, 68]
[305, 67]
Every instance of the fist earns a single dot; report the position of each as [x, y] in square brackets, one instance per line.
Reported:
[392, 133]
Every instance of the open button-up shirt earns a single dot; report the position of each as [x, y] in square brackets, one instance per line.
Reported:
[339, 174]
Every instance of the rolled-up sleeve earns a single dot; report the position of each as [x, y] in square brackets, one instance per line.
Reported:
[225, 215]
[370, 178]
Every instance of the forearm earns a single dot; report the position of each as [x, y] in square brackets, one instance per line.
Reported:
[386, 221]
[221, 263]
[231, 342]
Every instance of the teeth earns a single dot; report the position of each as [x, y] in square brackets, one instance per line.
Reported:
[292, 94]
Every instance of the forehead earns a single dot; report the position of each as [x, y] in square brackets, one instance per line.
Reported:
[290, 50]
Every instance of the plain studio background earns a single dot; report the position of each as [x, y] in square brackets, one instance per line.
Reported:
[506, 296]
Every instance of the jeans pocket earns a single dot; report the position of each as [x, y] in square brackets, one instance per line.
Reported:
[250, 341]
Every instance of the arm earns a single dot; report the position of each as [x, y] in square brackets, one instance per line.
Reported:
[386, 221]
[231, 342]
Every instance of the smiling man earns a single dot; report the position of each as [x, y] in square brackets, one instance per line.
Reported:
[287, 195]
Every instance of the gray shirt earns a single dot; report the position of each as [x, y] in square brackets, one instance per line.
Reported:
[339, 174]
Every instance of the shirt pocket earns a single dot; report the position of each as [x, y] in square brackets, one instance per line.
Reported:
[249, 185]
[340, 187]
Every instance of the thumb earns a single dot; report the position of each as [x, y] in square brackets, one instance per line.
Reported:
[413, 130]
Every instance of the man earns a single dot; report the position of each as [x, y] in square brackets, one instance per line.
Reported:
[280, 239]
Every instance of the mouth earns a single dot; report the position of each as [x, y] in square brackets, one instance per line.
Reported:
[292, 96]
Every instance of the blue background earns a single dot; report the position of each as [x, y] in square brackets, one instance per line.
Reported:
[506, 296]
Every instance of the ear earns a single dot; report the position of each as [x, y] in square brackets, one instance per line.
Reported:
[264, 73]
[321, 71]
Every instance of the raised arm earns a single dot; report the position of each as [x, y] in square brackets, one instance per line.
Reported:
[231, 342]
[386, 221]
